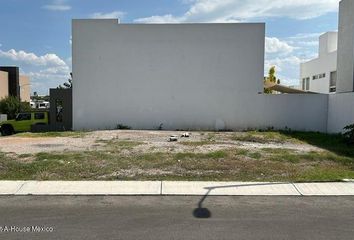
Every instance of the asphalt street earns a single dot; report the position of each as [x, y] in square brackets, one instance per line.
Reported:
[176, 217]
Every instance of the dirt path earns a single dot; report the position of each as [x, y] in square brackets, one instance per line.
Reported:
[154, 141]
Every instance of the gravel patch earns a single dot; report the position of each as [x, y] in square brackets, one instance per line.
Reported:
[154, 141]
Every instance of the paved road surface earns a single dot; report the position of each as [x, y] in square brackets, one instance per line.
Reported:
[175, 217]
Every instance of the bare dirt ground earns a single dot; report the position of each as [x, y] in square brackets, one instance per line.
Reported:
[152, 141]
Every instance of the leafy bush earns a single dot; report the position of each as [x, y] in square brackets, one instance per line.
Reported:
[122, 127]
[12, 105]
[349, 134]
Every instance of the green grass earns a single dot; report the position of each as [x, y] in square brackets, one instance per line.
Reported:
[74, 134]
[197, 156]
[230, 165]
[121, 160]
[196, 144]
[115, 144]
[332, 142]
[264, 137]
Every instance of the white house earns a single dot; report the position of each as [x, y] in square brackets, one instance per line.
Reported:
[320, 74]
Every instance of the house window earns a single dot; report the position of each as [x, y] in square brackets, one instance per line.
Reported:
[318, 76]
[303, 85]
[307, 84]
[322, 75]
[333, 82]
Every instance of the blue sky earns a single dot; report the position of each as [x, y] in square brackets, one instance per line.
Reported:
[35, 34]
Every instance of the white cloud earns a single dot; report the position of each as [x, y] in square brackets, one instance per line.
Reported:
[45, 79]
[287, 68]
[281, 63]
[304, 40]
[49, 59]
[160, 19]
[57, 5]
[274, 45]
[305, 36]
[307, 43]
[46, 71]
[49, 77]
[111, 15]
[304, 48]
[69, 63]
[286, 53]
[240, 10]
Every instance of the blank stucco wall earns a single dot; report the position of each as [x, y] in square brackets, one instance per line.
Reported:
[345, 82]
[302, 112]
[25, 89]
[196, 76]
[340, 111]
[4, 84]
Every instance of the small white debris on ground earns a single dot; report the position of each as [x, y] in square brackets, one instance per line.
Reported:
[186, 135]
[173, 138]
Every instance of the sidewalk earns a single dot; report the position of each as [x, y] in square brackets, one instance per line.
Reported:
[175, 188]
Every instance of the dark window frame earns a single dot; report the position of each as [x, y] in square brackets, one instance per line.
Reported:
[24, 119]
[41, 114]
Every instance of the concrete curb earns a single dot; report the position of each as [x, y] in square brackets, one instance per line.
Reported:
[23, 188]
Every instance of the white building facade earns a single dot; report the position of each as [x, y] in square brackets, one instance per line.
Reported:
[320, 74]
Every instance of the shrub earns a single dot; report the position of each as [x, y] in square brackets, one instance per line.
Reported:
[12, 106]
[122, 127]
[349, 134]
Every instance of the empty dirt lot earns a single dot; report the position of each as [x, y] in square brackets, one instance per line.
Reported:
[152, 141]
[148, 155]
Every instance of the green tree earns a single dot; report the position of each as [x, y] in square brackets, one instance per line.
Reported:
[271, 75]
[12, 106]
[271, 78]
[68, 84]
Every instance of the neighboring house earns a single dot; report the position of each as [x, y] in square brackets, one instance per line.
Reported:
[40, 104]
[13, 84]
[320, 74]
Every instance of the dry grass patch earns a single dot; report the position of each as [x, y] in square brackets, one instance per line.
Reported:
[202, 157]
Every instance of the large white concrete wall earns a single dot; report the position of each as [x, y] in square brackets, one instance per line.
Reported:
[184, 76]
[194, 76]
[345, 82]
[302, 112]
[340, 111]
